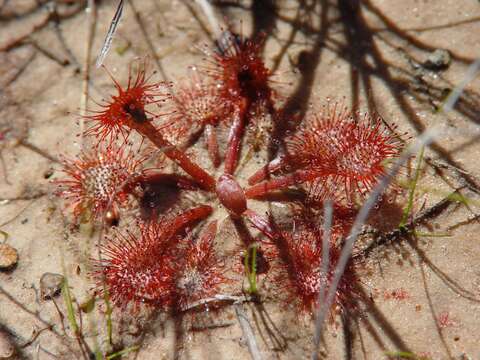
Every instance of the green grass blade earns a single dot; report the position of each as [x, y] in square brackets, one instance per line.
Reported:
[253, 273]
[5, 235]
[98, 355]
[405, 355]
[401, 354]
[423, 234]
[457, 197]
[69, 304]
[108, 313]
[122, 352]
[413, 186]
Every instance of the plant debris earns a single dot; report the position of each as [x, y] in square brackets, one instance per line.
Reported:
[8, 257]
[50, 285]
[7, 348]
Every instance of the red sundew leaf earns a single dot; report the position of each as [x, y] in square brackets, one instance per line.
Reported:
[197, 107]
[350, 156]
[195, 104]
[141, 269]
[128, 111]
[300, 252]
[239, 70]
[334, 154]
[199, 272]
[130, 102]
[137, 270]
[98, 179]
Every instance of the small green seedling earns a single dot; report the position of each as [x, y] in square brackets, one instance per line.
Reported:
[250, 263]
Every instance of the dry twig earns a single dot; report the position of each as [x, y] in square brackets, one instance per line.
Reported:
[247, 332]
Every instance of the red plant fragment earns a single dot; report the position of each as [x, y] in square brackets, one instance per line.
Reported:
[98, 179]
[141, 269]
[396, 294]
[335, 154]
[445, 320]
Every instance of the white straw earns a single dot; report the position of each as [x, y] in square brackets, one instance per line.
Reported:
[327, 227]
[212, 19]
[107, 43]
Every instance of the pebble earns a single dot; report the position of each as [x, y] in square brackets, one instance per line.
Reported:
[7, 349]
[8, 257]
[438, 60]
[50, 285]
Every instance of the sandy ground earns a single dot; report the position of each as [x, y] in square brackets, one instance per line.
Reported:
[425, 291]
